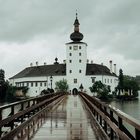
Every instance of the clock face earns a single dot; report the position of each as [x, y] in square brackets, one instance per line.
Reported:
[75, 47]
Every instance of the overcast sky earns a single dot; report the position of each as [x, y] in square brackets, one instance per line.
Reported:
[37, 30]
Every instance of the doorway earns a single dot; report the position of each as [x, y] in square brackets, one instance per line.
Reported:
[75, 91]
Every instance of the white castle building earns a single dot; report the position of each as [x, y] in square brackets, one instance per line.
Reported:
[75, 69]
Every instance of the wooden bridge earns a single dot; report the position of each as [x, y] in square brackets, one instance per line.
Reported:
[61, 116]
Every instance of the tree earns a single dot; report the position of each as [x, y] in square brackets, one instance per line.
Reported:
[131, 85]
[96, 87]
[61, 86]
[121, 81]
[2, 76]
[101, 89]
[3, 84]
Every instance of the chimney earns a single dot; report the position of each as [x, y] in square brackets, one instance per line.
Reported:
[36, 63]
[91, 61]
[31, 64]
[115, 68]
[87, 60]
[102, 64]
[44, 63]
[110, 65]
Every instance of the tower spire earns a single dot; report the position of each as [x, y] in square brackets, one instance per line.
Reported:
[76, 35]
[76, 14]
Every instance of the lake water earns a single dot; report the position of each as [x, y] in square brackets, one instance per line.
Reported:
[131, 108]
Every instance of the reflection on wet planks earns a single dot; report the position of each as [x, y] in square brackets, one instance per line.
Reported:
[69, 121]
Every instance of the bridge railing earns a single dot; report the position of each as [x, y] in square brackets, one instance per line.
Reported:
[17, 112]
[112, 121]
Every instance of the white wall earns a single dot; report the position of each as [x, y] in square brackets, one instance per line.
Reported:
[75, 65]
[36, 90]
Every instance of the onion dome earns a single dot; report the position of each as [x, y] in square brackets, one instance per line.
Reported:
[76, 36]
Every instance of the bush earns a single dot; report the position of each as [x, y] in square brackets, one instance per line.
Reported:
[61, 86]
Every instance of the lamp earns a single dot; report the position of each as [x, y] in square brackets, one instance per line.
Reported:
[51, 78]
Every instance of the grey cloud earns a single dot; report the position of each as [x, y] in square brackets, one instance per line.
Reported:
[108, 25]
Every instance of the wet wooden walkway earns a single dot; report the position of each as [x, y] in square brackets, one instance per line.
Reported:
[69, 121]
[61, 116]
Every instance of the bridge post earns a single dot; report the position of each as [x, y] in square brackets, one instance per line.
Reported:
[22, 107]
[12, 113]
[111, 131]
[137, 134]
[105, 124]
[120, 123]
[100, 115]
[0, 120]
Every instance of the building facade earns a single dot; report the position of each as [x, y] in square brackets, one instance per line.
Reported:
[76, 70]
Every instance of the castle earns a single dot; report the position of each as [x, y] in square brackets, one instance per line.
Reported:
[76, 69]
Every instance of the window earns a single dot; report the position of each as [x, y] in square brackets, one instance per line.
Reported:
[80, 71]
[75, 81]
[45, 84]
[41, 84]
[27, 84]
[75, 48]
[79, 47]
[32, 84]
[80, 54]
[70, 54]
[70, 71]
[36, 84]
[70, 47]
[105, 80]
[70, 61]
[110, 80]
[93, 79]
[80, 60]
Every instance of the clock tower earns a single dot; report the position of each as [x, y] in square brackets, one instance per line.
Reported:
[76, 58]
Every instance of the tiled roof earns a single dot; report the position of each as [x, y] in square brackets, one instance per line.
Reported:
[45, 70]
[60, 70]
[96, 69]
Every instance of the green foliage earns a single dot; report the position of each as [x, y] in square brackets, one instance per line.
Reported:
[3, 89]
[2, 76]
[121, 81]
[61, 86]
[10, 93]
[130, 84]
[101, 89]
[96, 87]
